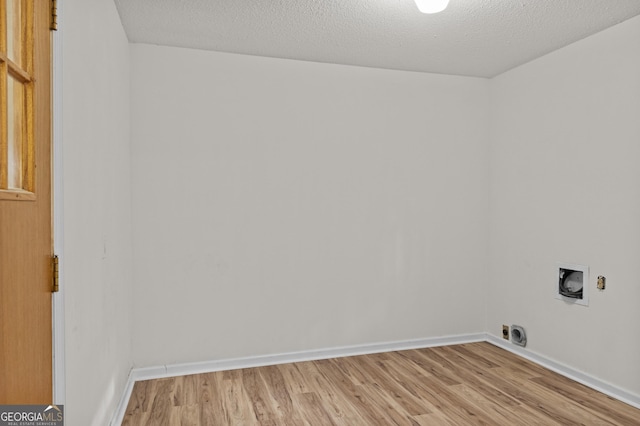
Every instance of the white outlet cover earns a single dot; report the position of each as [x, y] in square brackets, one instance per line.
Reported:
[585, 283]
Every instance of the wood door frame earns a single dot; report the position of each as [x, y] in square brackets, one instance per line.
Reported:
[57, 311]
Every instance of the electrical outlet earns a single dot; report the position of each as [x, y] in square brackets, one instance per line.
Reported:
[505, 332]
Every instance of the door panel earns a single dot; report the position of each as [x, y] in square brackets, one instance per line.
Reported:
[15, 31]
[15, 132]
[25, 203]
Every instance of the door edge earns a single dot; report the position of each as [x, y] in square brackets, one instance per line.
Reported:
[57, 311]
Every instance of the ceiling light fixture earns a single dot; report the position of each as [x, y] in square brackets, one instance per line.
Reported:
[431, 6]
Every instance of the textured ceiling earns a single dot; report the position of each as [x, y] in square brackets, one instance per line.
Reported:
[471, 37]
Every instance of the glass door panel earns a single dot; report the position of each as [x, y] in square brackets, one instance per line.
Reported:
[15, 31]
[16, 96]
[16, 133]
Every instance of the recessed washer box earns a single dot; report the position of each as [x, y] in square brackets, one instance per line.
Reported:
[571, 283]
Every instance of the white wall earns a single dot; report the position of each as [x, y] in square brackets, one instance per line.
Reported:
[97, 209]
[565, 186]
[283, 206]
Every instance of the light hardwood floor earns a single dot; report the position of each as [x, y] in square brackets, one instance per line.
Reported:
[470, 384]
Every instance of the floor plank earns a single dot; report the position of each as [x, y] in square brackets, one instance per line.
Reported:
[470, 384]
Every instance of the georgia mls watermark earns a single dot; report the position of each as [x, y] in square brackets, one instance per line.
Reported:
[31, 415]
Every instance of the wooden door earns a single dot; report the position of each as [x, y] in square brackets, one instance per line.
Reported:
[25, 203]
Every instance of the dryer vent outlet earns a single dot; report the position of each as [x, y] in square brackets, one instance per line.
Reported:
[571, 283]
[518, 336]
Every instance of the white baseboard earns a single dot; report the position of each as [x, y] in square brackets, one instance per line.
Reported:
[118, 415]
[573, 374]
[311, 355]
[173, 370]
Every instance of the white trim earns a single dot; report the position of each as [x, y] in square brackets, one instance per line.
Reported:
[174, 370]
[118, 415]
[571, 373]
[164, 371]
[58, 228]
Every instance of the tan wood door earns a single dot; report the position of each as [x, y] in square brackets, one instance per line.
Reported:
[25, 203]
